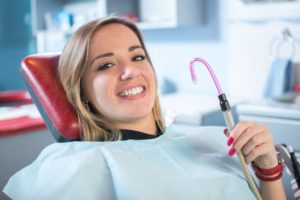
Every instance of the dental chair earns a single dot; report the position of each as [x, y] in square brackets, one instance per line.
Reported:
[41, 80]
[39, 72]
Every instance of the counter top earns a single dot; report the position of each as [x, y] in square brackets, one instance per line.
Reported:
[270, 108]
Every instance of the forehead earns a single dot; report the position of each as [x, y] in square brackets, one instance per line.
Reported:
[113, 35]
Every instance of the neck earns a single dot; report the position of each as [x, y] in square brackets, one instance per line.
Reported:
[146, 125]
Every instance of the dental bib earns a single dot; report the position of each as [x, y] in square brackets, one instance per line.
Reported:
[186, 162]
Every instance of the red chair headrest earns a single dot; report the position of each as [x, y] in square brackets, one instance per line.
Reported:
[40, 76]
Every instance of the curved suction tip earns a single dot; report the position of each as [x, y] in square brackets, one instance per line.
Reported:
[194, 78]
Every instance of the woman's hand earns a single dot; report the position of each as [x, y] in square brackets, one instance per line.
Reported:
[255, 142]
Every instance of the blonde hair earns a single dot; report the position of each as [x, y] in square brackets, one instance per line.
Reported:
[72, 64]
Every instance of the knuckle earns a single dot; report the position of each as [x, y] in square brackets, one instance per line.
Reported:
[271, 146]
[253, 153]
[244, 151]
[246, 123]
[263, 127]
[250, 130]
[251, 123]
[255, 140]
[242, 122]
[248, 158]
[270, 136]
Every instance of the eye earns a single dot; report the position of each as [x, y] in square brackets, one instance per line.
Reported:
[104, 66]
[138, 58]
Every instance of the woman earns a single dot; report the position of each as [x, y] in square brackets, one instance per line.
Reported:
[104, 94]
[109, 79]
[118, 90]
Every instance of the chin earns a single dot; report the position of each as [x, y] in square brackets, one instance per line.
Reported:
[135, 115]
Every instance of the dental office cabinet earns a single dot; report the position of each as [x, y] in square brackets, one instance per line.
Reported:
[54, 20]
[256, 25]
[282, 119]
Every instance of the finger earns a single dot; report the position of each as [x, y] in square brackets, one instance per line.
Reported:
[238, 130]
[253, 136]
[256, 140]
[258, 151]
[226, 132]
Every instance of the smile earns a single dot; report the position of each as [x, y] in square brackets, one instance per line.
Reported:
[132, 92]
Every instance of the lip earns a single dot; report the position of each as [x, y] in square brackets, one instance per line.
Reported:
[128, 87]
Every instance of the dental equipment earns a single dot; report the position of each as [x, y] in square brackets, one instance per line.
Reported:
[225, 107]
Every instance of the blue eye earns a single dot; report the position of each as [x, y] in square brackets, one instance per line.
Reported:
[104, 66]
[138, 58]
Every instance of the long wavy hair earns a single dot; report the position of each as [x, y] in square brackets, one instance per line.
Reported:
[72, 65]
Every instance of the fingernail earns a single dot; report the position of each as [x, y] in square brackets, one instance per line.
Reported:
[230, 141]
[226, 132]
[231, 151]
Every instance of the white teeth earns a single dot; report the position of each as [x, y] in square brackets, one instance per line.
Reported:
[132, 91]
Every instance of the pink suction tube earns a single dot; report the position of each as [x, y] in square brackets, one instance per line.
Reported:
[228, 119]
[194, 77]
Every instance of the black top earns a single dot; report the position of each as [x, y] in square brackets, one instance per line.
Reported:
[136, 135]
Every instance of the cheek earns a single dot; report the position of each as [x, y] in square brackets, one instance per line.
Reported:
[98, 91]
[100, 86]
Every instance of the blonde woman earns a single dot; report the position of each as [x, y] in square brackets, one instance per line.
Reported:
[109, 79]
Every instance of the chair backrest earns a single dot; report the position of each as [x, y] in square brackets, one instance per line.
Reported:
[39, 72]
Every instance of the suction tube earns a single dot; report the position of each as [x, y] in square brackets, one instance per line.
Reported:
[225, 107]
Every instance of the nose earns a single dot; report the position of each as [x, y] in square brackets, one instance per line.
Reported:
[129, 72]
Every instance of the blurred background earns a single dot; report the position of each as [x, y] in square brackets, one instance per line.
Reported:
[252, 45]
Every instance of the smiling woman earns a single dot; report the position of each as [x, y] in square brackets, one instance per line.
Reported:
[109, 79]
[120, 81]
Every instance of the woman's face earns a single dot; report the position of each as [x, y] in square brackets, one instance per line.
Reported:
[119, 80]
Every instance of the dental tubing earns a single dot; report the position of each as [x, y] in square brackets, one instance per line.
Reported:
[225, 107]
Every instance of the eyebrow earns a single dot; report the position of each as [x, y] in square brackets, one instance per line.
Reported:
[132, 48]
[101, 56]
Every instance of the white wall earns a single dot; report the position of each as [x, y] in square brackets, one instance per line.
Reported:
[238, 50]
[250, 55]
[172, 50]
